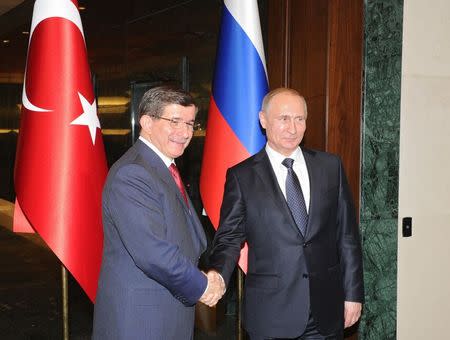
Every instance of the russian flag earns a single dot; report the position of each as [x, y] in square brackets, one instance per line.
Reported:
[240, 83]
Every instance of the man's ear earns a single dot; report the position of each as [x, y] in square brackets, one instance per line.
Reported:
[262, 119]
[146, 122]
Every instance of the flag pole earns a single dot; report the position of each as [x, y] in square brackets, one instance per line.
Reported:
[65, 302]
[240, 288]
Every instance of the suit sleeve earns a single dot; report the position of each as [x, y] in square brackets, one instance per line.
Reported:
[139, 219]
[230, 235]
[349, 243]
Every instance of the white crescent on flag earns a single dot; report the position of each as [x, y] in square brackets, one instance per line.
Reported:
[44, 9]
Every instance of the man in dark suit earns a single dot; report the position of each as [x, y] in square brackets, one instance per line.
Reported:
[149, 281]
[294, 208]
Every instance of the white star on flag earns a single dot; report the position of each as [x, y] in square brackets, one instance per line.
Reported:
[88, 117]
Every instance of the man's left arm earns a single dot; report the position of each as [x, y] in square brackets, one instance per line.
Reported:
[349, 247]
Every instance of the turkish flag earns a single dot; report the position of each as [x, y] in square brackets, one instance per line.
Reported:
[60, 164]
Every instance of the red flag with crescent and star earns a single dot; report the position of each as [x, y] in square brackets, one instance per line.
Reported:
[60, 163]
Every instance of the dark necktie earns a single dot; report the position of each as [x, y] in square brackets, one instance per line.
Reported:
[294, 197]
[176, 176]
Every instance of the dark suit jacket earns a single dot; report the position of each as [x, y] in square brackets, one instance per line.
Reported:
[149, 279]
[288, 274]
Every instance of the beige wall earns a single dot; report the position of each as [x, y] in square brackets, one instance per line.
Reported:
[423, 305]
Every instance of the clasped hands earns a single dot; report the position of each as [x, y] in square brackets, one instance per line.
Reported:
[215, 289]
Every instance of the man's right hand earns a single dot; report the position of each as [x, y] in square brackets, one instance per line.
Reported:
[215, 289]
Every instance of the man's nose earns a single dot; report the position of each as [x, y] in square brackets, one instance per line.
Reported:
[292, 128]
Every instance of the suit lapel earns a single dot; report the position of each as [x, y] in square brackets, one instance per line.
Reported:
[314, 173]
[264, 170]
[161, 170]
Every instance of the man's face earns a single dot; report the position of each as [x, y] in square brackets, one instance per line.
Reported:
[284, 122]
[170, 140]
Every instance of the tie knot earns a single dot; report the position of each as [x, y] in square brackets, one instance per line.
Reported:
[174, 172]
[288, 163]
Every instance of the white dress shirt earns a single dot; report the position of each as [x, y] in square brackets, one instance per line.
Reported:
[167, 160]
[299, 167]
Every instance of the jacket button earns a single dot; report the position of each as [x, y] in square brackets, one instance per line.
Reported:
[305, 244]
[305, 276]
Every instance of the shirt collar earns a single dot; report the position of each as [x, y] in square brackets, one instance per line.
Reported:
[167, 160]
[277, 157]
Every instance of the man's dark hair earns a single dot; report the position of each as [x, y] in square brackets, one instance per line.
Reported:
[157, 98]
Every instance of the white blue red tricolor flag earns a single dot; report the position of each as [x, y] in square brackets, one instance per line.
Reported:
[240, 83]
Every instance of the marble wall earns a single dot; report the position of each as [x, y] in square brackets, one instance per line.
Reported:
[379, 168]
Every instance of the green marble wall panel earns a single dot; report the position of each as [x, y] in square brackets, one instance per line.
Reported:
[379, 168]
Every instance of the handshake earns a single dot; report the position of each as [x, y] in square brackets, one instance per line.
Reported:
[214, 290]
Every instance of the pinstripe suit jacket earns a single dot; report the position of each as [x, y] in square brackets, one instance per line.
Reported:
[149, 279]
